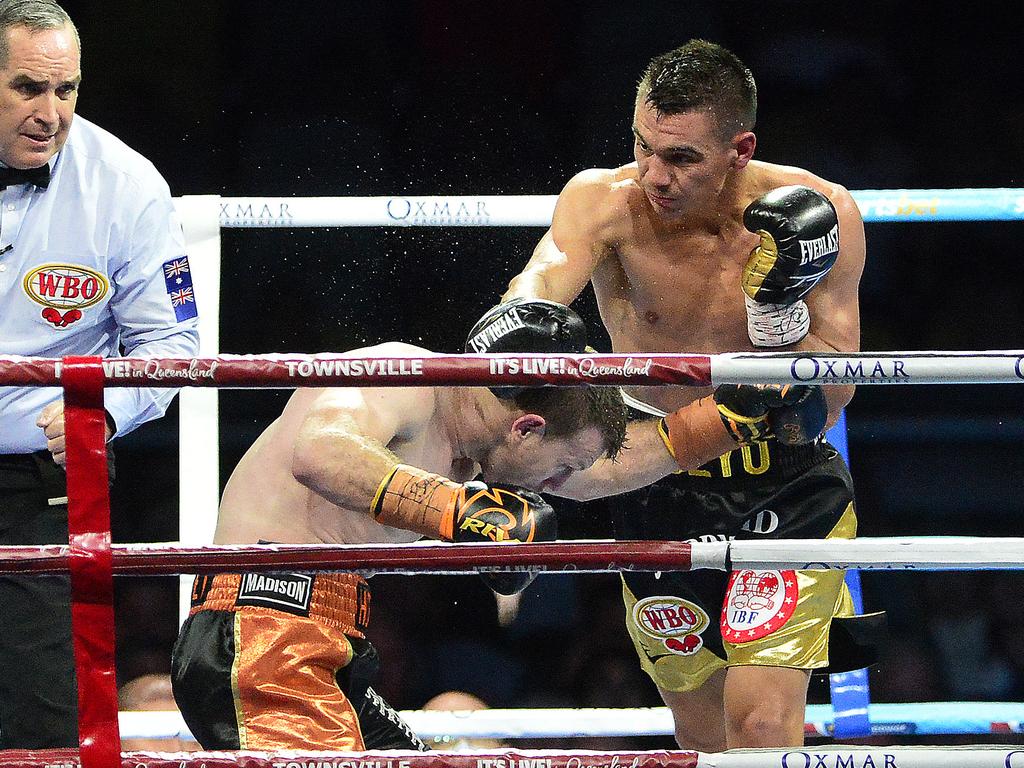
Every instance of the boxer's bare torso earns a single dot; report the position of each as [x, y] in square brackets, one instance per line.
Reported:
[673, 285]
[264, 500]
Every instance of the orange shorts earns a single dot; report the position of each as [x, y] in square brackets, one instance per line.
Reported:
[280, 661]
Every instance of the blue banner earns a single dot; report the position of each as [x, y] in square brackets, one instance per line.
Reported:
[850, 692]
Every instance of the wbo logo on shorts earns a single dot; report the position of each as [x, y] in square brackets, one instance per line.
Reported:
[757, 603]
[677, 623]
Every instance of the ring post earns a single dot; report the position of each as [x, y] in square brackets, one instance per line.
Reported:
[92, 581]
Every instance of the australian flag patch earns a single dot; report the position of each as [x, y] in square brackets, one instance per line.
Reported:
[178, 278]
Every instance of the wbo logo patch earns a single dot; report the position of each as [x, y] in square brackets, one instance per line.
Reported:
[757, 603]
[677, 623]
[64, 290]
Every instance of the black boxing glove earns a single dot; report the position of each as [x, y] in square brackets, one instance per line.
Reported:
[802, 421]
[799, 231]
[518, 514]
[527, 325]
[498, 513]
[793, 414]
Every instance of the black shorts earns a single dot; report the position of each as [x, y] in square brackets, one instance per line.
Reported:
[760, 490]
[38, 689]
[687, 625]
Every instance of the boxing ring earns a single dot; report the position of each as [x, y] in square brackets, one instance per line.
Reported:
[92, 560]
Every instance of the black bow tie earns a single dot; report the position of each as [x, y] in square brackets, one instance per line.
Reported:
[40, 176]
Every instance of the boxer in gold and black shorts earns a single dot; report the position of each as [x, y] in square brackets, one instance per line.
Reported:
[281, 661]
[688, 625]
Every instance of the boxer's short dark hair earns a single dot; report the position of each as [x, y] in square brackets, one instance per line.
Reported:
[702, 75]
[571, 409]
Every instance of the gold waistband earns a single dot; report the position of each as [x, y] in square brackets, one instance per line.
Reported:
[339, 600]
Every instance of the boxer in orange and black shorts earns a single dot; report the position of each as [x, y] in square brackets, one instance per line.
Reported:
[280, 658]
[281, 661]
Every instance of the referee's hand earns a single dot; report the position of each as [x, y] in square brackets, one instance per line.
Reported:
[51, 421]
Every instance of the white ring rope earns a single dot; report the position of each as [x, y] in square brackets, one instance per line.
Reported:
[925, 553]
[921, 367]
[932, 718]
[868, 757]
[876, 205]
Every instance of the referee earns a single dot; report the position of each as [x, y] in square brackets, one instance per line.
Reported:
[92, 261]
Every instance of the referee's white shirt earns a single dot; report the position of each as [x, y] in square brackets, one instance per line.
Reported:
[92, 263]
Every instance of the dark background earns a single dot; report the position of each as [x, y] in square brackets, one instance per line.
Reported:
[372, 98]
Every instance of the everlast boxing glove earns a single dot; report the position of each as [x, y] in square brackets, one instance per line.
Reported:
[435, 506]
[742, 414]
[799, 232]
[793, 414]
[527, 325]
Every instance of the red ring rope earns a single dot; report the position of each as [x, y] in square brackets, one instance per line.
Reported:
[165, 560]
[347, 370]
[342, 370]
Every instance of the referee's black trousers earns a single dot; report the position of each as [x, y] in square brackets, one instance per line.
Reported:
[38, 691]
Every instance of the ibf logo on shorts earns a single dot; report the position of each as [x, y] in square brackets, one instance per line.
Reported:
[676, 622]
[757, 603]
[289, 592]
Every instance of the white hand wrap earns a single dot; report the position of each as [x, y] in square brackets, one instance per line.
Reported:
[776, 325]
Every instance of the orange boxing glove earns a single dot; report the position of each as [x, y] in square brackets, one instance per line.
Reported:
[435, 506]
[696, 433]
[739, 414]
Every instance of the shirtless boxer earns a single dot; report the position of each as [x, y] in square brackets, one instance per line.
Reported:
[696, 247]
[281, 661]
